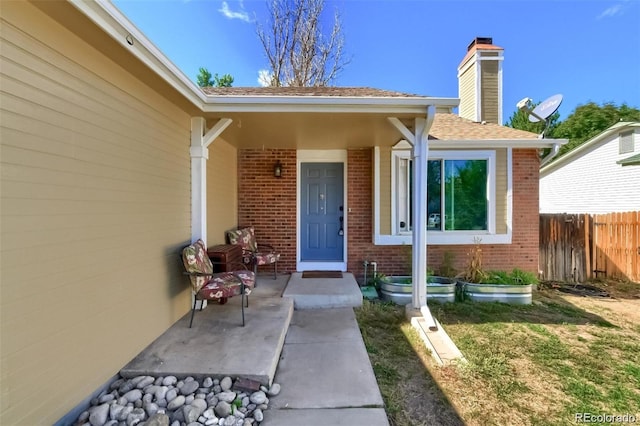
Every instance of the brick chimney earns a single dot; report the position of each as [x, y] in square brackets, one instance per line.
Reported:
[480, 82]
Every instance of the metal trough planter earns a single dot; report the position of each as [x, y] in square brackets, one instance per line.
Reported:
[513, 294]
[398, 288]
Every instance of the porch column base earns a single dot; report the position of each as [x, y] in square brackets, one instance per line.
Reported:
[423, 314]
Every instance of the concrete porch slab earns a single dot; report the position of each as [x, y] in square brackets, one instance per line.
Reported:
[217, 345]
[319, 293]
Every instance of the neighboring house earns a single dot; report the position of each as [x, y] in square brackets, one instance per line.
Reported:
[600, 176]
[112, 161]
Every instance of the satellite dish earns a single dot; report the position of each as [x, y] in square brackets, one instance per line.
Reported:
[545, 109]
[542, 112]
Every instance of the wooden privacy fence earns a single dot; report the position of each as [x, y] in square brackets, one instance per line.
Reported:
[578, 247]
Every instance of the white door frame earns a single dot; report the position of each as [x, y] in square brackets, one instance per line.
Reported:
[321, 156]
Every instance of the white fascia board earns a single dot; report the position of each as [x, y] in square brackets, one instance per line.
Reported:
[112, 21]
[347, 104]
[494, 143]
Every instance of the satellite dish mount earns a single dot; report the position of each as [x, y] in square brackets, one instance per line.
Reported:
[542, 112]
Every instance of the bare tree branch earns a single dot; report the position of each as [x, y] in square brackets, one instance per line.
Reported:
[298, 52]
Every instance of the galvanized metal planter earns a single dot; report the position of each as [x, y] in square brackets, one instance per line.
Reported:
[398, 289]
[513, 294]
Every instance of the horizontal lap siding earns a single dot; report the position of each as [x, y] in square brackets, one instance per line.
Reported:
[490, 92]
[592, 182]
[222, 191]
[95, 208]
[467, 94]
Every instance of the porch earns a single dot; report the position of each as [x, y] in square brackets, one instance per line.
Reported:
[316, 355]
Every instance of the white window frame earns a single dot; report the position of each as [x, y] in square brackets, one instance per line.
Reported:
[442, 237]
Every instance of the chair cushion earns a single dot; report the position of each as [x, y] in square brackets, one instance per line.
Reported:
[244, 237]
[195, 259]
[226, 284]
[266, 258]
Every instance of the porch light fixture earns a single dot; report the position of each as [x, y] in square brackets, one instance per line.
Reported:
[277, 169]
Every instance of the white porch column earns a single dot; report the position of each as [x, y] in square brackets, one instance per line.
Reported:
[419, 196]
[199, 157]
[420, 215]
[200, 141]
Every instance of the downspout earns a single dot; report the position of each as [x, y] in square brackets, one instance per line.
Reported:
[551, 155]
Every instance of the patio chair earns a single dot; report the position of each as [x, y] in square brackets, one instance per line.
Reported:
[215, 286]
[253, 253]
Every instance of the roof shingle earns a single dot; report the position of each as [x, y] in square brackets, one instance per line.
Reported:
[452, 127]
[363, 92]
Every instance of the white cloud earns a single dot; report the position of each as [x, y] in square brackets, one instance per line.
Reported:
[614, 10]
[230, 14]
[264, 78]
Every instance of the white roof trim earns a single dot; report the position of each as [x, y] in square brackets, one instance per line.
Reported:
[494, 143]
[398, 105]
[112, 21]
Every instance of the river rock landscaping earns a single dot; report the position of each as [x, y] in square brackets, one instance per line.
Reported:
[164, 401]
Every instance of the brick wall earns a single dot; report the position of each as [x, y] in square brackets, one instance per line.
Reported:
[522, 253]
[269, 203]
[395, 260]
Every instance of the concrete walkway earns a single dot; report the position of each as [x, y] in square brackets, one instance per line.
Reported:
[325, 374]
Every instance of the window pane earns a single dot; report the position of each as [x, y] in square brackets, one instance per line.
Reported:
[434, 194]
[465, 195]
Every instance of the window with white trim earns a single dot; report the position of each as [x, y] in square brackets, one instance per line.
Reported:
[460, 191]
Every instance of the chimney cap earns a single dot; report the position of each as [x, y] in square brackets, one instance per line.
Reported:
[480, 40]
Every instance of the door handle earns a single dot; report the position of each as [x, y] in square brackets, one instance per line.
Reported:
[341, 231]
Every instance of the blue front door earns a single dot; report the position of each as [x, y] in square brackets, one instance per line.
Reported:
[322, 212]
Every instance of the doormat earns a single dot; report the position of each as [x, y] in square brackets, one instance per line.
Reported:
[322, 274]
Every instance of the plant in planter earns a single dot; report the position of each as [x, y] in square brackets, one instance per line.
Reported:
[495, 286]
[399, 288]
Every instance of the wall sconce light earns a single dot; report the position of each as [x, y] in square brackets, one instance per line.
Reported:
[277, 169]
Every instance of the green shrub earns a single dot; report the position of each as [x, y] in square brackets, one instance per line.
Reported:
[515, 277]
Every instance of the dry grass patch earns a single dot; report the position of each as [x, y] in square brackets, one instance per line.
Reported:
[529, 365]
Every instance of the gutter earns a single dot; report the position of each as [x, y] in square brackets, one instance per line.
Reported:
[550, 156]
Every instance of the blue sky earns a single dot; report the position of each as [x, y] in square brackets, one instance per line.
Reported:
[587, 50]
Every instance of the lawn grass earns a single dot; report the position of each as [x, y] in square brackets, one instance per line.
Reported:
[538, 364]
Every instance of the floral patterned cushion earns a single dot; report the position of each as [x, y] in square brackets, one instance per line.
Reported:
[195, 259]
[226, 284]
[213, 285]
[245, 237]
[266, 258]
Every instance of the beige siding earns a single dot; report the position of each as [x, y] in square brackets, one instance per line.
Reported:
[222, 191]
[467, 93]
[385, 190]
[501, 191]
[490, 96]
[95, 197]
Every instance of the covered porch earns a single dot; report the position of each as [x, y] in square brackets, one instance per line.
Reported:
[306, 131]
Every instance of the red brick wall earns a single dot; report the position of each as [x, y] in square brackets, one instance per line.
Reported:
[269, 203]
[522, 253]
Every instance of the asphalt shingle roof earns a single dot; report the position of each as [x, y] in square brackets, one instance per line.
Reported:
[453, 127]
[364, 92]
